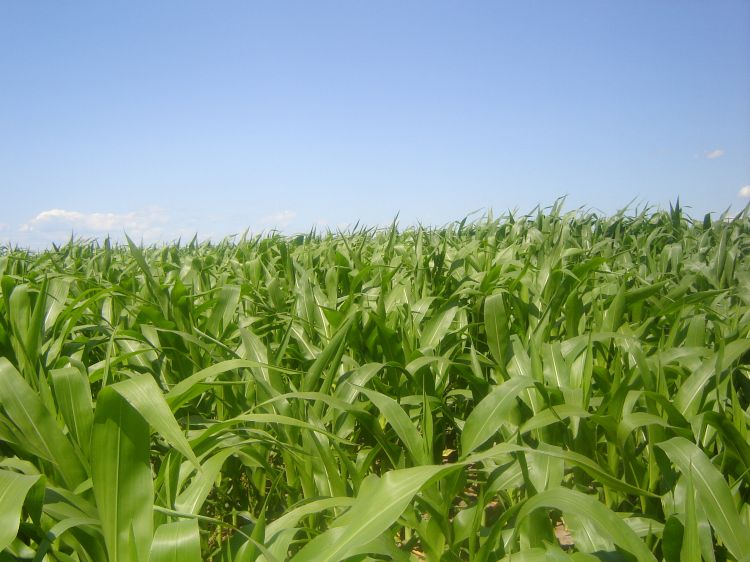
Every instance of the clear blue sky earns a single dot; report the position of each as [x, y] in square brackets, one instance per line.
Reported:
[166, 118]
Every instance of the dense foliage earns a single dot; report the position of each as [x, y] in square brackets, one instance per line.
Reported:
[543, 386]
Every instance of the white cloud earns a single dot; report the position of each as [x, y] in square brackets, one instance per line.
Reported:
[53, 223]
[716, 153]
[3, 226]
[281, 219]
[150, 225]
[744, 191]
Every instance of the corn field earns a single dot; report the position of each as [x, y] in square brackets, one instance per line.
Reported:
[552, 386]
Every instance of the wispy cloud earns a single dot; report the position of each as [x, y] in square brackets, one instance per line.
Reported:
[151, 225]
[280, 219]
[744, 191]
[148, 224]
[716, 153]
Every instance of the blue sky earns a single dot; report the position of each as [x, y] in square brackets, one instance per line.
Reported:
[170, 118]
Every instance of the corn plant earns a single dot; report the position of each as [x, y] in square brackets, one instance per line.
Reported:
[529, 387]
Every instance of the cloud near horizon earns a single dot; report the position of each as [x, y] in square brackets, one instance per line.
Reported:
[744, 191]
[281, 219]
[713, 154]
[147, 224]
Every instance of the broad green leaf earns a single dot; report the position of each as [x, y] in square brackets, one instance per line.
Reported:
[553, 414]
[36, 427]
[556, 371]
[143, 394]
[400, 422]
[691, 548]
[176, 542]
[152, 285]
[13, 490]
[378, 505]
[291, 518]
[591, 467]
[348, 388]
[437, 327]
[224, 309]
[191, 499]
[73, 395]
[496, 325]
[713, 491]
[692, 388]
[607, 522]
[613, 317]
[314, 378]
[190, 386]
[485, 420]
[57, 293]
[121, 476]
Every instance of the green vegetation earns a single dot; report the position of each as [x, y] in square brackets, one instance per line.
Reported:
[549, 386]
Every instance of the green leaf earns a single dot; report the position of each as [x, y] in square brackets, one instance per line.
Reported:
[713, 491]
[13, 490]
[496, 326]
[552, 415]
[437, 327]
[143, 394]
[613, 317]
[36, 427]
[190, 386]
[223, 309]
[691, 547]
[73, 395]
[314, 379]
[191, 499]
[378, 505]
[400, 422]
[291, 518]
[606, 521]
[121, 477]
[176, 542]
[485, 420]
[691, 389]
